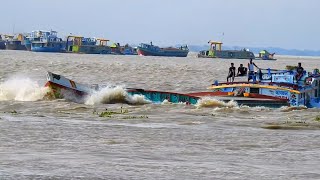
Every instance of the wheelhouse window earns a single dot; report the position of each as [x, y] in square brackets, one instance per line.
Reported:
[254, 90]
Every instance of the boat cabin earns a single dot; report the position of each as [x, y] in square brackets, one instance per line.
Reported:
[79, 44]
[149, 46]
[102, 42]
[73, 43]
[215, 45]
[264, 54]
[216, 51]
[296, 89]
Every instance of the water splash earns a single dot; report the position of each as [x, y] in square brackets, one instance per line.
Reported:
[114, 95]
[292, 108]
[212, 102]
[22, 89]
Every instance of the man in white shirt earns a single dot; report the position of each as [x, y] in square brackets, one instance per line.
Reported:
[251, 65]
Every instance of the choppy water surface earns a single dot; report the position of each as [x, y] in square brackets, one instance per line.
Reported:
[60, 139]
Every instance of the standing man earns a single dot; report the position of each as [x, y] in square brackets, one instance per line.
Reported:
[251, 65]
[299, 72]
[232, 72]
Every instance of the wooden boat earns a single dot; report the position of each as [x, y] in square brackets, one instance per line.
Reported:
[271, 88]
[216, 51]
[79, 44]
[160, 96]
[274, 85]
[61, 86]
[151, 50]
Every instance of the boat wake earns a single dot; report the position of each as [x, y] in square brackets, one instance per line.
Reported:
[212, 102]
[116, 94]
[22, 89]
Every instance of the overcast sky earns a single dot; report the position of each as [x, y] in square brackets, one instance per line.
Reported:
[256, 23]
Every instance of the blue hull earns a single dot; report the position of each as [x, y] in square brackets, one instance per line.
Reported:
[27, 43]
[47, 49]
[2, 45]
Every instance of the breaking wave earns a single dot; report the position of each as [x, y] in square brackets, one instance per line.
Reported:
[293, 108]
[22, 89]
[114, 95]
[212, 102]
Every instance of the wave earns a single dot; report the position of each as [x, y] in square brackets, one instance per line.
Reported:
[22, 89]
[212, 102]
[114, 95]
[292, 108]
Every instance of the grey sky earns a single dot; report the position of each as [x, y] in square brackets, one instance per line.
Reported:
[257, 23]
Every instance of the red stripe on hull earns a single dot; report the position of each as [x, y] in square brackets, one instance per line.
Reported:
[141, 52]
[251, 95]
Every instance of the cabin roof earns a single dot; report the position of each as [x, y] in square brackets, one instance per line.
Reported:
[101, 39]
[75, 36]
[215, 42]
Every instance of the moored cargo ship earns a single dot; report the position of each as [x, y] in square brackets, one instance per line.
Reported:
[151, 50]
[216, 51]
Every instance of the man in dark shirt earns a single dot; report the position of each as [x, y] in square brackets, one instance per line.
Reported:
[242, 71]
[299, 72]
[232, 72]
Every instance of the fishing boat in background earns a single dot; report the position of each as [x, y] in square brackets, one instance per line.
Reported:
[151, 50]
[272, 88]
[129, 51]
[15, 42]
[216, 51]
[48, 41]
[36, 36]
[265, 55]
[116, 49]
[2, 42]
[79, 44]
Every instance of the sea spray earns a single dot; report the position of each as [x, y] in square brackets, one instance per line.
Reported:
[22, 89]
[114, 95]
[212, 102]
[292, 108]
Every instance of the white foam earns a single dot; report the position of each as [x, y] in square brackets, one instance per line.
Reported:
[292, 108]
[22, 89]
[212, 102]
[114, 95]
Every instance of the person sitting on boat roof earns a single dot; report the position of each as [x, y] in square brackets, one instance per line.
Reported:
[299, 70]
[242, 71]
[251, 74]
[232, 72]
